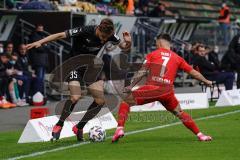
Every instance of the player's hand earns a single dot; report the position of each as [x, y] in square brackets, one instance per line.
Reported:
[127, 37]
[9, 72]
[209, 83]
[127, 89]
[15, 72]
[34, 75]
[33, 45]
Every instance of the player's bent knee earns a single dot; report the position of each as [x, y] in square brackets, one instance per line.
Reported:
[99, 101]
[130, 102]
[177, 111]
[75, 98]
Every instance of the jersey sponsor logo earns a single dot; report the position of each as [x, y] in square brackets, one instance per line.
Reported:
[161, 80]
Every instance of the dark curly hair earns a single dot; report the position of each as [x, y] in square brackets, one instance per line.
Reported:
[106, 26]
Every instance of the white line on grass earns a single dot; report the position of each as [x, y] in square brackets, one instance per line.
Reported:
[128, 133]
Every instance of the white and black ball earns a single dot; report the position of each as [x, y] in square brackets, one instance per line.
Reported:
[97, 134]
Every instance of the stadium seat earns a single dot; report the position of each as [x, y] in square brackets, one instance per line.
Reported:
[204, 89]
[203, 9]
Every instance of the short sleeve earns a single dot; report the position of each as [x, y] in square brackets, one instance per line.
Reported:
[74, 32]
[184, 65]
[114, 39]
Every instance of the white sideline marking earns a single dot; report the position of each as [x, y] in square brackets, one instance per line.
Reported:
[128, 133]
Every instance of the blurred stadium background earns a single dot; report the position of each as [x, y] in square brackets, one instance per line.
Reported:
[196, 27]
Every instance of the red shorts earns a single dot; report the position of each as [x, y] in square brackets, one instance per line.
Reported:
[149, 93]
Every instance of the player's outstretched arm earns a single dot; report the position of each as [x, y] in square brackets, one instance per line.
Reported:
[137, 78]
[197, 75]
[127, 41]
[47, 39]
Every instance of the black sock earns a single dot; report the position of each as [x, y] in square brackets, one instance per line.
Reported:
[92, 111]
[67, 110]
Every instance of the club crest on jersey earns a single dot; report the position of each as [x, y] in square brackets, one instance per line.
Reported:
[75, 31]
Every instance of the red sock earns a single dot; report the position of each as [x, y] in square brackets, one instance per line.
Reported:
[123, 114]
[188, 122]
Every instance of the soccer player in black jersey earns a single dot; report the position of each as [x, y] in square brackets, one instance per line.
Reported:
[86, 40]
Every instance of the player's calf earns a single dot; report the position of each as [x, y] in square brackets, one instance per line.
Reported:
[190, 124]
[122, 117]
[66, 110]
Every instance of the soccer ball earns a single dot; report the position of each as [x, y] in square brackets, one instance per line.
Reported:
[97, 134]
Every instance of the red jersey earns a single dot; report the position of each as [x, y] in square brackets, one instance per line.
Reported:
[163, 65]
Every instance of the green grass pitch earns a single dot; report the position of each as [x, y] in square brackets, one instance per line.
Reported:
[173, 143]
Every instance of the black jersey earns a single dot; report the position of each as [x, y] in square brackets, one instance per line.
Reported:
[85, 40]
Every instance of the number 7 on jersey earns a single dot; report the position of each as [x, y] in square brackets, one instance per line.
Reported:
[164, 64]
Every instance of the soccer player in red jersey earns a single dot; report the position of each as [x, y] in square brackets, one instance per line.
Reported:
[160, 68]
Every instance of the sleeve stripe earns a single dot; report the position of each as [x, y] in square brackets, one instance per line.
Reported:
[67, 33]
